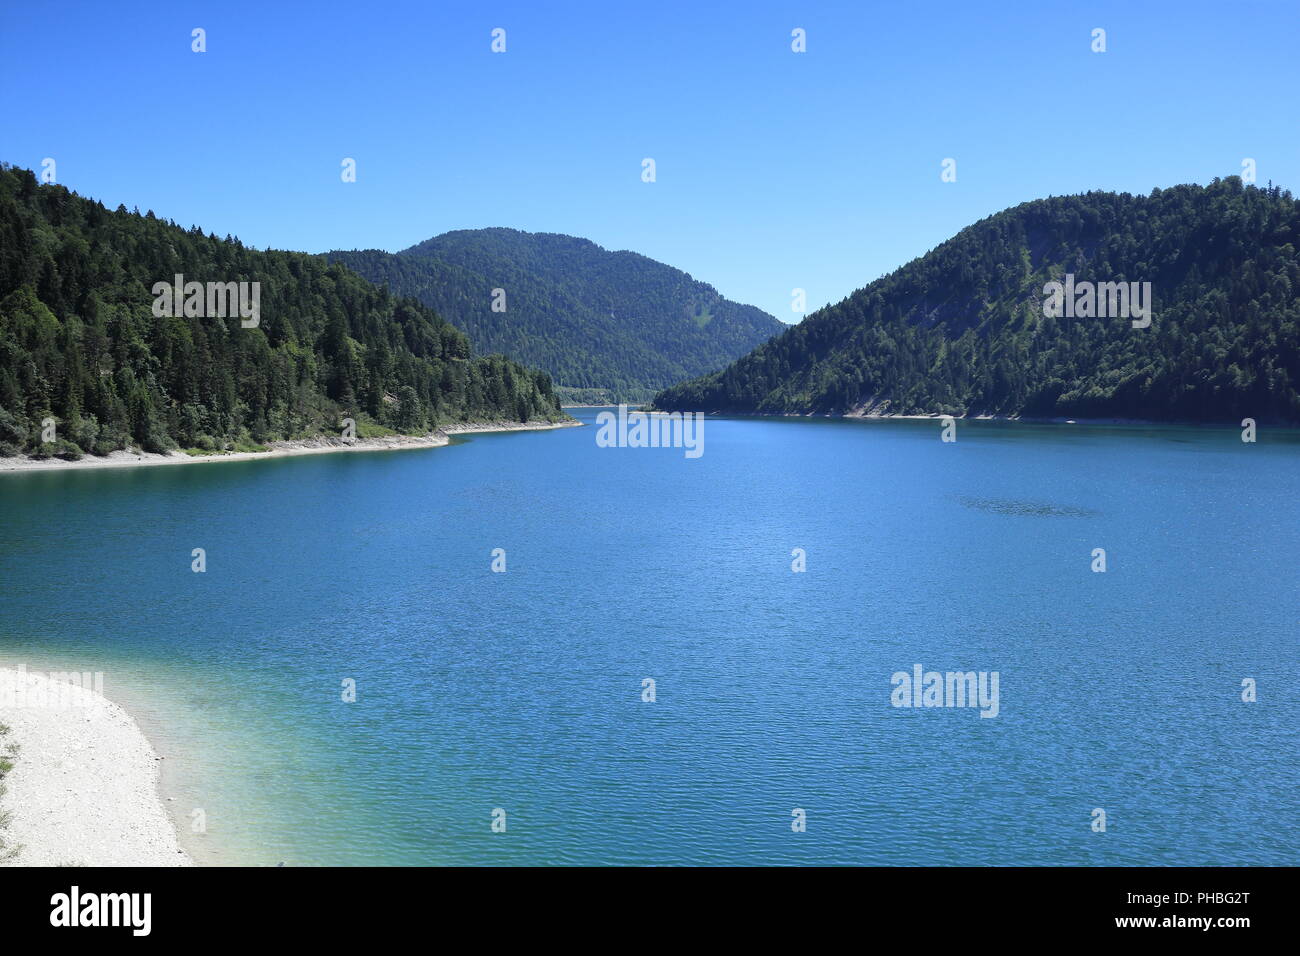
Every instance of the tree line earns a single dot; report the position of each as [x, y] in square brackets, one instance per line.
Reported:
[80, 342]
[963, 329]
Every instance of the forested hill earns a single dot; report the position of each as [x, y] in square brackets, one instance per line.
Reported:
[962, 330]
[80, 341]
[615, 324]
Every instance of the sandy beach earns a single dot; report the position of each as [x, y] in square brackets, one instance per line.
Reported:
[283, 449]
[83, 790]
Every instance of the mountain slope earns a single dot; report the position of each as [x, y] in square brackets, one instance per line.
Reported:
[615, 324]
[962, 330]
[80, 341]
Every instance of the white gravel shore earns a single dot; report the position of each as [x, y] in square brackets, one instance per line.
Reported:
[283, 449]
[83, 790]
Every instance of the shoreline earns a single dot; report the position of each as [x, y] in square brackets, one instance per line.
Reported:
[1026, 420]
[85, 788]
[1037, 420]
[281, 449]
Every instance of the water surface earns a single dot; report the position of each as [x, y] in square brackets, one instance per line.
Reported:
[522, 691]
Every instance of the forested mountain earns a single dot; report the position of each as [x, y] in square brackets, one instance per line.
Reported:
[962, 330]
[606, 325]
[80, 341]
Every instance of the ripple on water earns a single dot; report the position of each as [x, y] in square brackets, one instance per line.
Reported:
[1031, 509]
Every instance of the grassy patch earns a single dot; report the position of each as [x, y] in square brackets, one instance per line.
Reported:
[8, 851]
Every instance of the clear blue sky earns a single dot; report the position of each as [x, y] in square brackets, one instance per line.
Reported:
[775, 170]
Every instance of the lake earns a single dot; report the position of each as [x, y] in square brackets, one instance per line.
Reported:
[522, 691]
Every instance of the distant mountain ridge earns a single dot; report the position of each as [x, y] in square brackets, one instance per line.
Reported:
[962, 330]
[606, 325]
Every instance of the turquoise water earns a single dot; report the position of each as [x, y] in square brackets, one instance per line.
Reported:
[522, 691]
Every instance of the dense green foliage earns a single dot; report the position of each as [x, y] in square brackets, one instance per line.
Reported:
[613, 322]
[79, 341]
[962, 330]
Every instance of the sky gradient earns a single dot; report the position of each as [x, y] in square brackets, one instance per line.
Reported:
[775, 170]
